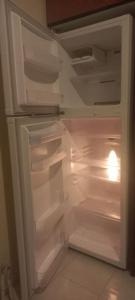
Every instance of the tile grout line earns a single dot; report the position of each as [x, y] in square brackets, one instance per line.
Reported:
[80, 285]
[107, 284]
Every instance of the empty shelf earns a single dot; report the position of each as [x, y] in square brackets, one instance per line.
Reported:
[84, 62]
[41, 97]
[43, 165]
[99, 89]
[97, 76]
[107, 208]
[96, 243]
[47, 221]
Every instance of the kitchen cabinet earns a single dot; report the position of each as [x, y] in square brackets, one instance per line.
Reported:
[61, 10]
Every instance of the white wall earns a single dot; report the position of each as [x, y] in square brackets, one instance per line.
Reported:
[35, 8]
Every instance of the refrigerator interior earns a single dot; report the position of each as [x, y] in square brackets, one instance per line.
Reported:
[74, 71]
[75, 175]
[94, 186]
[92, 60]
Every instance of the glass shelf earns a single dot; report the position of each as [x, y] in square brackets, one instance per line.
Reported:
[104, 208]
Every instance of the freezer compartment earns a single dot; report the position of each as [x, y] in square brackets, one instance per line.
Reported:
[99, 85]
[46, 254]
[93, 67]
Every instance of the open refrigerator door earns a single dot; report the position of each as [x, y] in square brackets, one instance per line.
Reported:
[41, 156]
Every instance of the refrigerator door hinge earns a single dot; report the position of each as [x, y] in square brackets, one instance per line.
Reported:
[61, 112]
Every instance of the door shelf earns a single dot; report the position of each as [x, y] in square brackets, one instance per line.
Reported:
[47, 263]
[46, 151]
[38, 97]
[47, 222]
[43, 165]
[48, 252]
[54, 133]
[43, 62]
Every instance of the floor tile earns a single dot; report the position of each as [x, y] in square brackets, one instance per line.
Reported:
[120, 287]
[64, 289]
[89, 273]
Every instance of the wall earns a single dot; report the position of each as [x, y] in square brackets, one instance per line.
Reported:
[35, 8]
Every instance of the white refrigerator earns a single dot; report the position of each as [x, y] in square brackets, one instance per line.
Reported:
[67, 105]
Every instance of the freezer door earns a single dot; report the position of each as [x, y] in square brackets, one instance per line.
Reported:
[41, 157]
[31, 64]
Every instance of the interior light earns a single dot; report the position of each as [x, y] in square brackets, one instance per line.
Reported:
[72, 166]
[112, 166]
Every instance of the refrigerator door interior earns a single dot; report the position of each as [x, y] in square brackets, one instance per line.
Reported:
[41, 158]
[33, 63]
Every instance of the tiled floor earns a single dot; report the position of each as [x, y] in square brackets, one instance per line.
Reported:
[81, 277]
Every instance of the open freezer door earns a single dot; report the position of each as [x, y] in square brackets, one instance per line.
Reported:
[41, 156]
[31, 64]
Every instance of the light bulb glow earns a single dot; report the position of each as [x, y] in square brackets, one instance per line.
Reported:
[112, 166]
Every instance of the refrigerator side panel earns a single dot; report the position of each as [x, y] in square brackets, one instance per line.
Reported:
[126, 96]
